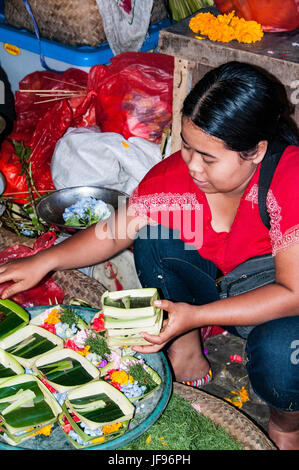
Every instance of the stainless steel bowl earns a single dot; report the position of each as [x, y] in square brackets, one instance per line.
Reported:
[51, 207]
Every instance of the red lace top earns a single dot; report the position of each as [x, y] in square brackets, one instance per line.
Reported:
[168, 195]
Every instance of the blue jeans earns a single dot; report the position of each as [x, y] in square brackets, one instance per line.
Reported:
[182, 275]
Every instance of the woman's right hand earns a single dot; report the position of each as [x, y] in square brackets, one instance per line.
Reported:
[25, 273]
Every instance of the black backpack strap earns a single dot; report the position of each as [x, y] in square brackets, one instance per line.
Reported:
[268, 167]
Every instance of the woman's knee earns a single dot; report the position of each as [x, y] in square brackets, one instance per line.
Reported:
[273, 362]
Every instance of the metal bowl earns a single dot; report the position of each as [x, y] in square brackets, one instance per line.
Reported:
[51, 207]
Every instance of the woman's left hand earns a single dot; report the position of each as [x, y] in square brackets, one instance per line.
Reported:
[179, 321]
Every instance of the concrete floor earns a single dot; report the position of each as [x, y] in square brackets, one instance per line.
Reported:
[228, 376]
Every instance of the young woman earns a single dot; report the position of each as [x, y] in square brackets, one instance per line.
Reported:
[195, 216]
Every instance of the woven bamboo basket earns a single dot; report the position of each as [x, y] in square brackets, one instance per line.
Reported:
[221, 413]
[77, 285]
[74, 22]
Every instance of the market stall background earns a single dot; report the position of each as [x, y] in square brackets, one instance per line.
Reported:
[68, 88]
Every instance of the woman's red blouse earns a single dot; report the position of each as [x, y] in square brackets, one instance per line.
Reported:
[168, 195]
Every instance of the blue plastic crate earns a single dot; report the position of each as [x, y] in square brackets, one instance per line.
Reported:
[20, 51]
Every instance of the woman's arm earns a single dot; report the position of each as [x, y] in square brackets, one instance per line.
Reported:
[251, 308]
[87, 247]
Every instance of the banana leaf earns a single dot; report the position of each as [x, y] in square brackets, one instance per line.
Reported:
[87, 439]
[8, 366]
[98, 404]
[12, 317]
[129, 312]
[27, 402]
[130, 336]
[30, 343]
[140, 371]
[65, 369]
[111, 323]
[130, 303]
[16, 439]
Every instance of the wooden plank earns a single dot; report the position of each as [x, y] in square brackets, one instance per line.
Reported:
[181, 87]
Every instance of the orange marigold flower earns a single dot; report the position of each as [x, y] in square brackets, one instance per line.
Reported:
[226, 28]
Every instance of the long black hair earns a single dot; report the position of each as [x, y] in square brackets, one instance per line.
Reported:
[242, 105]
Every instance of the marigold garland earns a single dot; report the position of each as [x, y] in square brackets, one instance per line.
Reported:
[226, 28]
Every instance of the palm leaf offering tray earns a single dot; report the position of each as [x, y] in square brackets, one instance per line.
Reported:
[30, 343]
[60, 321]
[129, 312]
[12, 317]
[133, 377]
[26, 405]
[9, 366]
[65, 369]
[95, 411]
[63, 386]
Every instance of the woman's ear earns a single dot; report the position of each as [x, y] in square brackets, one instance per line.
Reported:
[262, 147]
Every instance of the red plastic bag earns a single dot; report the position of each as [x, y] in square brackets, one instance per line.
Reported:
[46, 292]
[41, 125]
[274, 16]
[134, 94]
[46, 240]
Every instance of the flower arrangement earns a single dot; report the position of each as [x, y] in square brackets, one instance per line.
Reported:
[226, 28]
[60, 321]
[85, 212]
[133, 377]
[97, 436]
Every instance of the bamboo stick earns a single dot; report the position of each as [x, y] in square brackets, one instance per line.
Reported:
[56, 99]
[50, 91]
[67, 83]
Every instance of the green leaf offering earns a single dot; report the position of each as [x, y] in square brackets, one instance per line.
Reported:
[146, 380]
[12, 317]
[98, 404]
[60, 320]
[65, 369]
[9, 367]
[129, 312]
[25, 406]
[95, 413]
[30, 343]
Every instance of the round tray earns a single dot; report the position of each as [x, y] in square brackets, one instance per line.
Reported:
[149, 409]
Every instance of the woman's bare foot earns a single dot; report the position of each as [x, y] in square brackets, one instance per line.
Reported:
[283, 429]
[187, 359]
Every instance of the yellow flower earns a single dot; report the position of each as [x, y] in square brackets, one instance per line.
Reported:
[53, 317]
[98, 439]
[240, 397]
[121, 377]
[46, 431]
[85, 351]
[111, 428]
[226, 28]
[148, 439]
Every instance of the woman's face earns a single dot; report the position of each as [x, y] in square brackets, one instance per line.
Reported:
[214, 168]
